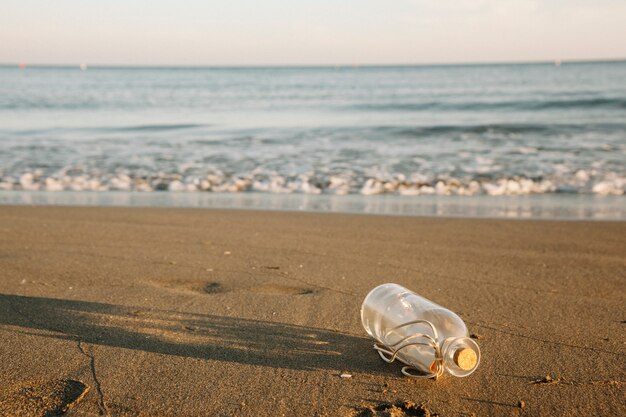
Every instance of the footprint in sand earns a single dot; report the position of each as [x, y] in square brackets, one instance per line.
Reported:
[215, 287]
[47, 399]
[197, 286]
[278, 289]
[398, 409]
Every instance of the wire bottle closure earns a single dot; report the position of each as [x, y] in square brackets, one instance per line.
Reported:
[389, 353]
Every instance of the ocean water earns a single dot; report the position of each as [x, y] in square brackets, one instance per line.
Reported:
[411, 131]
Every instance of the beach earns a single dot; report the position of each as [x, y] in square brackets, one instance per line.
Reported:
[187, 312]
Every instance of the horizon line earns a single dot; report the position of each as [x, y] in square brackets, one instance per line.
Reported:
[337, 66]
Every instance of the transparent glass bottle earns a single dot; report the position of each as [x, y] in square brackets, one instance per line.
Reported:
[425, 336]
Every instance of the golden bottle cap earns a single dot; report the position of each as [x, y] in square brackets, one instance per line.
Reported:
[465, 358]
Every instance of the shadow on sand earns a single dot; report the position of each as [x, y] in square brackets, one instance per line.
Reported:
[192, 335]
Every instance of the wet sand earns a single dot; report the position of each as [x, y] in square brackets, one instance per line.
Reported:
[154, 312]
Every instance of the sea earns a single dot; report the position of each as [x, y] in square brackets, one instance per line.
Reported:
[538, 140]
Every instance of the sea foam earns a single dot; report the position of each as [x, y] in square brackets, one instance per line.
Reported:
[580, 182]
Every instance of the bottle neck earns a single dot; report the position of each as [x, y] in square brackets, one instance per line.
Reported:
[460, 355]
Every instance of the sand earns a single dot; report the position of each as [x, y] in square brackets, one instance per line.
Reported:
[158, 312]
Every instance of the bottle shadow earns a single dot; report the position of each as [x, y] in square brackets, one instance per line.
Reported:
[201, 336]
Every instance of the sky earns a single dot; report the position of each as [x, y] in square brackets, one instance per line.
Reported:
[315, 32]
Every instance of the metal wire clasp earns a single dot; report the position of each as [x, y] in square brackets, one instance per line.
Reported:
[390, 352]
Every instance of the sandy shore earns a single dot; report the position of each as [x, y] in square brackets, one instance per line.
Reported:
[155, 312]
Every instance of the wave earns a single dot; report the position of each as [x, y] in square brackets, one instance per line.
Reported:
[500, 128]
[589, 103]
[42, 104]
[110, 129]
[154, 127]
[75, 179]
[528, 105]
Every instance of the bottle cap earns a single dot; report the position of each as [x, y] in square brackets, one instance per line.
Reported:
[465, 358]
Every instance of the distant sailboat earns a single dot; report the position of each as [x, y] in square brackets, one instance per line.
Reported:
[83, 67]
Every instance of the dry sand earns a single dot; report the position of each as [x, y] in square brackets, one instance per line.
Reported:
[158, 312]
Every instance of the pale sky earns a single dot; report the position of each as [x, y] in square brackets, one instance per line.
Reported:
[315, 32]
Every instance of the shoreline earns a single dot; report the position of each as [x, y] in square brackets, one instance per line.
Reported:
[165, 311]
[548, 207]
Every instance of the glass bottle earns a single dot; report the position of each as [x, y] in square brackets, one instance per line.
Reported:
[425, 336]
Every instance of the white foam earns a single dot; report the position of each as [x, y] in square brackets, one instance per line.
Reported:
[589, 181]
